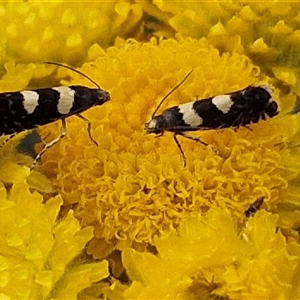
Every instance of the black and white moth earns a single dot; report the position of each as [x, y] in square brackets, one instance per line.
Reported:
[254, 207]
[28, 109]
[240, 108]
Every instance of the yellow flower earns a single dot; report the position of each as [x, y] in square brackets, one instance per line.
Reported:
[268, 32]
[37, 256]
[62, 31]
[208, 259]
[134, 186]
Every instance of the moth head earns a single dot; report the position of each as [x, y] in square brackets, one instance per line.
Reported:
[154, 125]
[103, 96]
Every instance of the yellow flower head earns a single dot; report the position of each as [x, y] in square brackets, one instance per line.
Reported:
[134, 186]
[37, 256]
[227, 23]
[208, 259]
[62, 31]
[267, 32]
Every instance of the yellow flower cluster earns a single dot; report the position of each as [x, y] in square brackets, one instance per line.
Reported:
[268, 32]
[207, 260]
[39, 256]
[62, 31]
[133, 191]
[133, 186]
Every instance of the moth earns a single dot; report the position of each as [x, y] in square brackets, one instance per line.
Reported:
[240, 108]
[28, 109]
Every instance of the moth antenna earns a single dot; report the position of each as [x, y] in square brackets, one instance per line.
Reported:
[170, 92]
[76, 71]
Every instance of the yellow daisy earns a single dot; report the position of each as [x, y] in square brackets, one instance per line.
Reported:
[40, 256]
[63, 30]
[208, 259]
[267, 32]
[134, 186]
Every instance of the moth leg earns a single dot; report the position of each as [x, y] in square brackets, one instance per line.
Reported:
[8, 139]
[50, 144]
[248, 127]
[179, 147]
[193, 138]
[89, 126]
[159, 134]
